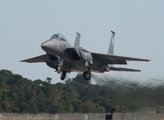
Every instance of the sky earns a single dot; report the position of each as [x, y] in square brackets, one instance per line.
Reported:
[139, 27]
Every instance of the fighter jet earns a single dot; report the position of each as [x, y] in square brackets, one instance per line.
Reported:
[64, 58]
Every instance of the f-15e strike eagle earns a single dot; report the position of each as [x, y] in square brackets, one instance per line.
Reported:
[64, 58]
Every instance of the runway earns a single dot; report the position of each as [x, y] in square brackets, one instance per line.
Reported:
[147, 115]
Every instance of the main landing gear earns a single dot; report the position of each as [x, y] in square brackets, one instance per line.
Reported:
[87, 75]
[63, 75]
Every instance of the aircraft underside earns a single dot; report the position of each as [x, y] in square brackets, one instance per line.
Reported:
[64, 69]
[70, 67]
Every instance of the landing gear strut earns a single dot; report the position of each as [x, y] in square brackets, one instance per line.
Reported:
[63, 75]
[87, 75]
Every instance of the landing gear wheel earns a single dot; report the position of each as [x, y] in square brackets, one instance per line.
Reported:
[63, 75]
[87, 75]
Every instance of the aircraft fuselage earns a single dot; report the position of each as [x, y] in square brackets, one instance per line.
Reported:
[65, 51]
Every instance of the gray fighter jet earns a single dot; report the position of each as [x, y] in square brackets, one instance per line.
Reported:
[64, 58]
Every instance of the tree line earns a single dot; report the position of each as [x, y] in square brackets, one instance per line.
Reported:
[22, 95]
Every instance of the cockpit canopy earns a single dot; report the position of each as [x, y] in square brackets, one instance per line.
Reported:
[58, 36]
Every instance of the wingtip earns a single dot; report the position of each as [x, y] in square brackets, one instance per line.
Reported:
[21, 61]
[149, 60]
[135, 71]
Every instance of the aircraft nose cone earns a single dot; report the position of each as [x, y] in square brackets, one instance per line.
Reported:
[47, 45]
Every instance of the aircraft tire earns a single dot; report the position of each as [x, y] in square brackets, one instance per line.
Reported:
[87, 75]
[63, 75]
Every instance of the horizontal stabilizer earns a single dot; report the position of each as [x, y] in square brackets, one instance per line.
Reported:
[41, 58]
[124, 69]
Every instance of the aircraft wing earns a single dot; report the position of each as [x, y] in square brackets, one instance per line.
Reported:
[114, 59]
[124, 69]
[41, 58]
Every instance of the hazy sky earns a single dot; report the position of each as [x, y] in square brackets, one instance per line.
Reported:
[139, 27]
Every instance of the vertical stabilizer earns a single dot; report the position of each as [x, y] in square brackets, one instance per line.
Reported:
[77, 43]
[111, 45]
